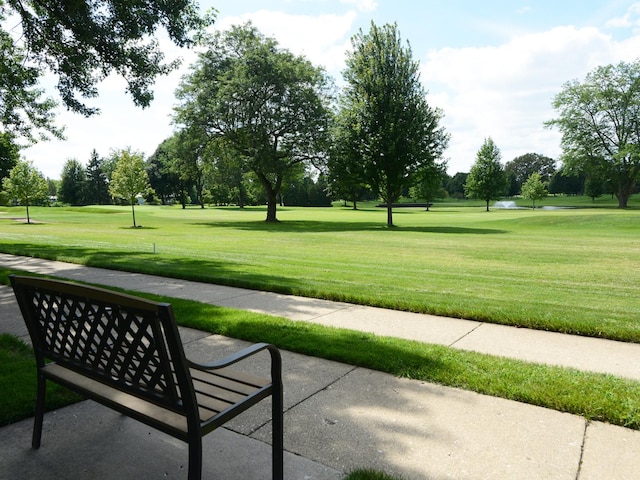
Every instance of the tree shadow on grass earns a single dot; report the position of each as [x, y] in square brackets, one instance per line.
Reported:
[195, 269]
[313, 226]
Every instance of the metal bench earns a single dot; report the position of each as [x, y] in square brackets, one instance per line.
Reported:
[125, 352]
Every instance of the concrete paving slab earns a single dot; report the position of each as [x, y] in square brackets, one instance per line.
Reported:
[604, 356]
[425, 431]
[302, 377]
[88, 441]
[10, 316]
[610, 452]
[288, 306]
[407, 325]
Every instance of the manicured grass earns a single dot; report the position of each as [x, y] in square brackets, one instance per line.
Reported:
[18, 383]
[365, 474]
[568, 270]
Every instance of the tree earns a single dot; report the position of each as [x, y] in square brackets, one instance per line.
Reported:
[269, 106]
[394, 131]
[429, 184]
[524, 166]
[9, 154]
[486, 180]
[129, 178]
[567, 183]
[347, 177]
[600, 124]
[455, 185]
[594, 187]
[97, 185]
[533, 188]
[26, 184]
[72, 183]
[81, 43]
[162, 176]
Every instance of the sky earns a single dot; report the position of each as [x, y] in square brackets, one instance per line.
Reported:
[492, 67]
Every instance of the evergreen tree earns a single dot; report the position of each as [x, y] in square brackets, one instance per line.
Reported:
[72, 183]
[97, 192]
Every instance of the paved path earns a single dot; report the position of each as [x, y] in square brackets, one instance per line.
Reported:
[339, 417]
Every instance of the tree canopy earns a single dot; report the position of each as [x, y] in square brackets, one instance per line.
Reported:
[600, 124]
[267, 105]
[522, 167]
[81, 43]
[486, 180]
[390, 127]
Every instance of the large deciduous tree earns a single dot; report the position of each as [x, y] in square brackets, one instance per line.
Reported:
[268, 105]
[81, 42]
[522, 167]
[25, 184]
[394, 131]
[9, 154]
[486, 180]
[600, 124]
[129, 179]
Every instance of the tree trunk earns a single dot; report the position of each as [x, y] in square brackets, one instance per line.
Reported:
[389, 213]
[272, 195]
[487, 205]
[624, 192]
[272, 203]
[133, 212]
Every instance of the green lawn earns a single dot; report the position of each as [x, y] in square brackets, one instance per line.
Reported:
[572, 270]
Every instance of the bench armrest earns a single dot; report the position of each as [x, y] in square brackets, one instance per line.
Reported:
[241, 355]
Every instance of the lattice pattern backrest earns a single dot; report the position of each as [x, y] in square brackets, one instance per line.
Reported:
[115, 344]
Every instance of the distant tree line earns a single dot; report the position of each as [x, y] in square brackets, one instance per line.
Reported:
[256, 124]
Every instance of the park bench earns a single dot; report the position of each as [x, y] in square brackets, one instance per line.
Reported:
[125, 352]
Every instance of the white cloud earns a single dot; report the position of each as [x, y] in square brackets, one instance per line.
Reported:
[323, 39]
[506, 91]
[629, 19]
[362, 5]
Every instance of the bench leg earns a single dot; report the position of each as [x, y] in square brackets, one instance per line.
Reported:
[277, 441]
[39, 416]
[195, 458]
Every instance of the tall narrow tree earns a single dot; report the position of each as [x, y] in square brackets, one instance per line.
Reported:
[97, 186]
[394, 130]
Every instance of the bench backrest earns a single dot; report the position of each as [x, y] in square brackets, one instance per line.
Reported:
[127, 342]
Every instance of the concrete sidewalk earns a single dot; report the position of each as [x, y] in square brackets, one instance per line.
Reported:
[338, 417]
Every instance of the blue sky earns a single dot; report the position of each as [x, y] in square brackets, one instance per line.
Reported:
[493, 67]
